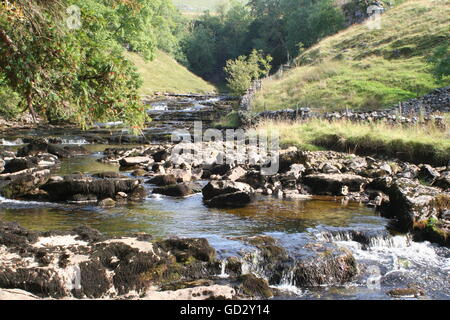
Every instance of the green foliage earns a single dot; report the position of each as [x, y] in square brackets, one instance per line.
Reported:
[79, 75]
[440, 60]
[275, 27]
[242, 71]
[9, 101]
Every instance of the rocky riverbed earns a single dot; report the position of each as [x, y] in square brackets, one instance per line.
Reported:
[187, 225]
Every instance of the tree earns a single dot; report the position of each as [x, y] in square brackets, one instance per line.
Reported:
[76, 75]
[245, 69]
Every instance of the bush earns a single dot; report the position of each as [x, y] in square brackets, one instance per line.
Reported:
[245, 69]
[9, 103]
[441, 62]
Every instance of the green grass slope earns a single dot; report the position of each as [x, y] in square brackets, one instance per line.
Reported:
[363, 68]
[164, 74]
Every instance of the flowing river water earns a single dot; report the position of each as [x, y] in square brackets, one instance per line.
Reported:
[392, 260]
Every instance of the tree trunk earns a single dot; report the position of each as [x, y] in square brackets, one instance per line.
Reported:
[30, 105]
[7, 40]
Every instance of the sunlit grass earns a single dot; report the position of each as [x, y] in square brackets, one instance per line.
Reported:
[376, 137]
[164, 74]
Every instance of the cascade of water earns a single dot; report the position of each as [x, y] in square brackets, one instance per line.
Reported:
[223, 273]
[16, 142]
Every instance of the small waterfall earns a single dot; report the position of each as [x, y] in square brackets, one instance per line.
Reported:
[366, 238]
[223, 273]
[16, 142]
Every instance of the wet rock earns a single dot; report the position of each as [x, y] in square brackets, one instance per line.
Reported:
[13, 235]
[181, 175]
[327, 268]
[41, 146]
[328, 168]
[101, 188]
[94, 280]
[83, 199]
[38, 281]
[428, 174]
[405, 293]
[289, 157]
[134, 161]
[230, 200]
[139, 173]
[109, 175]
[235, 174]
[107, 203]
[227, 193]
[443, 181]
[334, 184]
[163, 180]
[175, 190]
[233, 267]
[255, 179]
[419, 208]
[273, 260]
[20, 185]
[186, 249]
[160, 155]
[88, 234]
[255, 287]
[220, 170]
[19, 164]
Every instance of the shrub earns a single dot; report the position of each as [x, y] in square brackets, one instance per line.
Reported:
[245, 69]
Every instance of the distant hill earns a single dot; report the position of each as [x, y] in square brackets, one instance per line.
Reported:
[164, 74]
[363, 68]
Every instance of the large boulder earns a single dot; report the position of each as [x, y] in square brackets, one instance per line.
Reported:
[334, 267]
[334, 184]
[419, 208]
[22, 183]
[43, 161]
[178, 190]
[163, 180]
[42, 146]
[227, 193]
[71, 186]
[131, 162]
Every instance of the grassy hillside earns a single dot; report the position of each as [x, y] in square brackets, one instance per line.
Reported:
[164, 74]
[362, 68]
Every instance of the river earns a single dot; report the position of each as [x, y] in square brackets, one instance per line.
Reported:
[393, 260]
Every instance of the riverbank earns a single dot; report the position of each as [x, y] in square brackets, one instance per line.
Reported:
[413, 143]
